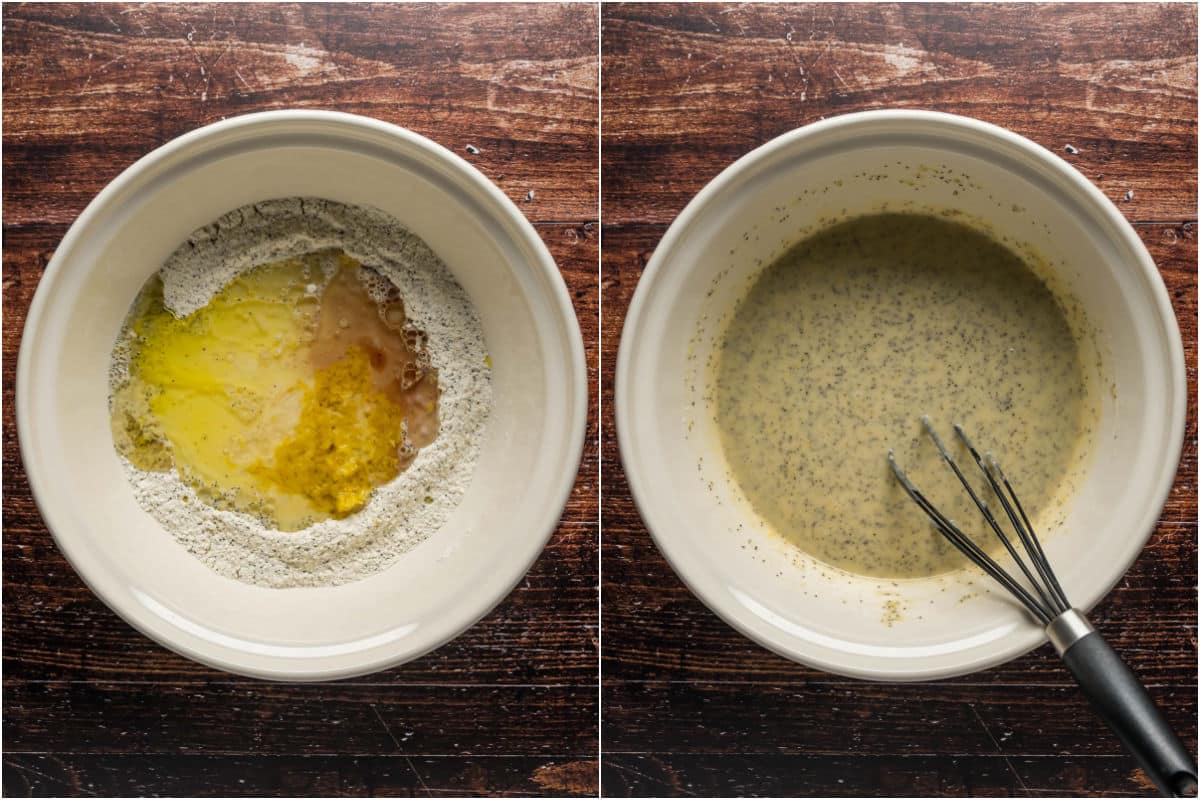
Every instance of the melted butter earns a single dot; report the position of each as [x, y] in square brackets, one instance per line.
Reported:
[290, 395]
[842, 345]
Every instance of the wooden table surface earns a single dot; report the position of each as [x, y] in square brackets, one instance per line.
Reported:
[91, 706]
[690, 706]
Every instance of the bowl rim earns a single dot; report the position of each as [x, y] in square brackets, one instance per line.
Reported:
[1026, 638]
[401, 650]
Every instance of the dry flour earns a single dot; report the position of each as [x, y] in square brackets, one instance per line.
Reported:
[400, 514]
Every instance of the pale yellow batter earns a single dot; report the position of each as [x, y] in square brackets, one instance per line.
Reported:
[843, 344]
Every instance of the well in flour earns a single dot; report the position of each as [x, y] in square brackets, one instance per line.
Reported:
[269, 388]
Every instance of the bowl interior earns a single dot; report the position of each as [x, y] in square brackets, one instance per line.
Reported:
[524, 470]
[808, 179]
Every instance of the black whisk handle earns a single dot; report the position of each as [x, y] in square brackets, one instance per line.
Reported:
[1124, 704]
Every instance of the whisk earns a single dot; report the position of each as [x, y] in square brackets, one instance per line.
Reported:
[1108, 683]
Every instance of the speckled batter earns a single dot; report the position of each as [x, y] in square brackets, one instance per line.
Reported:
[842, 345]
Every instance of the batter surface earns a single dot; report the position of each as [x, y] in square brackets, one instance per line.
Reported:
[840, 347]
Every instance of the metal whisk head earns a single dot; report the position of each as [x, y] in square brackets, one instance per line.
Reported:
[1047, 600]
[1109, 684]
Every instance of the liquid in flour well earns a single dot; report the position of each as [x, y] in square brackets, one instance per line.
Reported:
[840, 347]
[292, 394]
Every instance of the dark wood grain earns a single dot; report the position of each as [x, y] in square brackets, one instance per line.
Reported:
[307, 719]
[90, 88]
[772, 775]
[91, 706]
[689, 705]
[312, 776]
[688, 91]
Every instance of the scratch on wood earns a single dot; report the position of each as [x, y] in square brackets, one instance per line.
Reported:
[572, 777]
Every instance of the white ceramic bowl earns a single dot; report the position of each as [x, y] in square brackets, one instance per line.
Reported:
[749, 213]
[527, 462]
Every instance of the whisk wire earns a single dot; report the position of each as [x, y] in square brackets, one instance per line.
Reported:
[1036, 552]
[967, 547]
[1107, 681]
[1056, 602]
[1049, 603]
